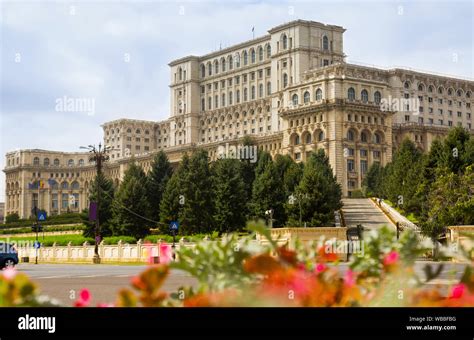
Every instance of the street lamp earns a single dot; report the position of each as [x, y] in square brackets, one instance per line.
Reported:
[98, 156]
[270, 213]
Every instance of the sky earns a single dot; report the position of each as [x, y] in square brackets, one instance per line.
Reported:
[115, 54]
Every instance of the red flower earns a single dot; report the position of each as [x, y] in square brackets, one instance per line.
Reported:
[391, 258]
[349, 278]
[458, 291]
[84, 298]
[320, 267]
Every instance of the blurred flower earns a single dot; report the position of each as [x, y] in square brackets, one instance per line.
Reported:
[84, 298]
[349, 278]
[9, 273]
[165, 253]
[320, 267]
[458, 291]
[391, 258]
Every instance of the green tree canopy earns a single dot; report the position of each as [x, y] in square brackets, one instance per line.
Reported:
[159, 175]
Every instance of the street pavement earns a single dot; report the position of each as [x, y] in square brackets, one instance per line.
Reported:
[363, 211]
[64, 281]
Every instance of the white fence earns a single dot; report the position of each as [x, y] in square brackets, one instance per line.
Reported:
[121, 252]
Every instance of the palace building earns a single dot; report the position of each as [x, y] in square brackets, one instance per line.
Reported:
[290, 90]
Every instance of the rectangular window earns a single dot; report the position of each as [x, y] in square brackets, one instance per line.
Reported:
[363, 153]
[350, 165]
[363, 166]
[376, 154]
[64, 201]
[54, 201]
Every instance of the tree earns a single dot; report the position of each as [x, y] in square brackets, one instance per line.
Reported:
[403, 176]
[197, 211]
[10, 218]
[131, 204]
[317, 196]
[173, 198]
[289, 172]
[229, 189]
[160, 173]
[373, 181]
[107, 192]
[451, 201]
[268, 194]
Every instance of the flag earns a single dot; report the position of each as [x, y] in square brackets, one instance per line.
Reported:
[41, 184]
[51, 182]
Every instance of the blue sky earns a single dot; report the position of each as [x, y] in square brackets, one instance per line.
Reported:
[78, 49]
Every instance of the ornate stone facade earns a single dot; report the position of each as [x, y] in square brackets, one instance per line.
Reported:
[290, 90]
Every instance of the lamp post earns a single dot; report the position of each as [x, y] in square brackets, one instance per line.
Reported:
[98, 156]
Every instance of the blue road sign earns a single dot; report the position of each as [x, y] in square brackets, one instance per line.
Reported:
[37, 245]
[41, 215]
[174, 225]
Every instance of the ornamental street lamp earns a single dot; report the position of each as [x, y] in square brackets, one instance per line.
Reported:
[98, 156]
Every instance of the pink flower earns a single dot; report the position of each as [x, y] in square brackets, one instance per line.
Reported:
[84, 298]
[349, 278]
[9, 273]
[458, 291]
[320, 267]
[391, 258]
[105, 305]
[165, 253]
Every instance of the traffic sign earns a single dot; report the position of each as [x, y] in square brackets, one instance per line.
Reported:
[174, 225]
[41, 215]
[37, 245]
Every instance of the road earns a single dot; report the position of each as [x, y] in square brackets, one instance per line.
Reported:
[62, 281]
[363, 211]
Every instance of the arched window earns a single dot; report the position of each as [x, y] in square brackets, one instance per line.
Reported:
[231, 97]
[285, 42]
[209, 69]
[269, 51]
[294, 99]
[252, 93]
[406, 85]
[81, 162]
[308, 138]
[320, 136]
[377, 138]
[260, 90]
[319, 94]
[237, 96]
[147, 132]
[56, 162]
[285, 80]
[468, 94]
[216, 67]
[64, 185]
[223, 99]
[269, 88]
[70, 162]
[325, 43]
[260, 53]
[364, 95]
[223, 66]
[230, 62]
[237, 59]
[440, 90]
[252, 56]
[180, 73]
[377, 97]
[138, 131]
[36, 161]
[421, 87]
[46, 162]
[459, 93]
[203, 71]
[363, 137]
[351, 94]
[306, 97]
[297, 140]
[246, 58]
[75, 185]
[450, 92]
[350, 135]
[245, 94]
[430, 88]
